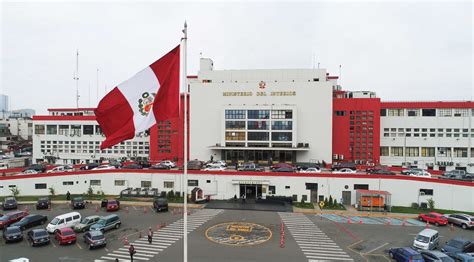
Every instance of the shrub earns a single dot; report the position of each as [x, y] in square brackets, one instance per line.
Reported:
[431, 204]
[415, 205]
[52, 192]
[171, 194]
[331, 201]
[15, 191]
[326, 202]
[335, 203]
[90, 191]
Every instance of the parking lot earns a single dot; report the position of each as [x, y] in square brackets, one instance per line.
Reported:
[232, 235]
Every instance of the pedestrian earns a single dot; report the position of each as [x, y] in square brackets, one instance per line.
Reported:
[243, 198]
[116, 260]
[235, 197]
[131, 251]
[212, 158]
[68, 195]
[150, 235]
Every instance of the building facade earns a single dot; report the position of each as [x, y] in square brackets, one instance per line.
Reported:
[22, 127]
[73, 136]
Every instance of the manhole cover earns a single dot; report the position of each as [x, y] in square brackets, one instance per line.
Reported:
[238, 234]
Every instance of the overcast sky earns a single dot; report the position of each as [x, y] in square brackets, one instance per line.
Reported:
[401, 50]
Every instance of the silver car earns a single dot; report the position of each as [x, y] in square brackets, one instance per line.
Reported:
[463, 220]
[86, 223]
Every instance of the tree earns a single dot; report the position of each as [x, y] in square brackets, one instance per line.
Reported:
[331, 201]
[326, 202]
[15, 191]
[171, 194]
[335, 203]
[90, 191]
[52, 191]
[431, 204]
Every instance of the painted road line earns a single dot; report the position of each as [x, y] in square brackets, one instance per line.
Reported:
[141, 250]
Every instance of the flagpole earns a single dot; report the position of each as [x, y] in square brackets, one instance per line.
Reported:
[185, 160]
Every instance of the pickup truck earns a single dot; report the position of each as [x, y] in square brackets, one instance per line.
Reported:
[458, 175]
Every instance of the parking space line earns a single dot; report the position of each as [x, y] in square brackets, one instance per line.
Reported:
[372, 250]
[79, 246]
[141, 251]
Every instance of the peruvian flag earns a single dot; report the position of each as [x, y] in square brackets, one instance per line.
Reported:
[136, 104]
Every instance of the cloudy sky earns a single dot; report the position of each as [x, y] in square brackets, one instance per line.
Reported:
[401, 50]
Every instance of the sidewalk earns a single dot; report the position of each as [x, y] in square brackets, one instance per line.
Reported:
[124, 203]
[351, 211]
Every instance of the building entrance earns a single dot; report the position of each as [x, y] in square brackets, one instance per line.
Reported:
[251, 191]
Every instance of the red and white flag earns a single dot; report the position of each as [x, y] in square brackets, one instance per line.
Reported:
[136, 104]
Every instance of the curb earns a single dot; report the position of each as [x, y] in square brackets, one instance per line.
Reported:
[124, 203]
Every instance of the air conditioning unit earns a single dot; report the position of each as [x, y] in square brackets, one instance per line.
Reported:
[334, 156]
[341, 157]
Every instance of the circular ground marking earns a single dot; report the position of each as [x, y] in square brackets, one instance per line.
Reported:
[238, 234]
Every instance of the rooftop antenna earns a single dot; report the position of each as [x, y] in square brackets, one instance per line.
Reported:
[340, 73]
[97, 87]
[318, 65]
[76, 77]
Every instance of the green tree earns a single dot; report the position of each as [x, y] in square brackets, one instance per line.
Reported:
[90, 192]
[431, 204]
[15, 191]
[335, 203]
[331, 201]
[52, 191]
[326, 202]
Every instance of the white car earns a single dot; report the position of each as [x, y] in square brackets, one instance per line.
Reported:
[29, 172]
[104, 167]
[214, 168]
[344, 171]
[311, 170]
[59, 169]
[168, 163]
[220, 162]
[422, 173]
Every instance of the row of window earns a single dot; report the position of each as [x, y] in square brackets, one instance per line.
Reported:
[259, 136]
[458, 152]
[258, 114]
[73, 130]
[427, 112]
[73, 151]
[259, 125]
[441, 130]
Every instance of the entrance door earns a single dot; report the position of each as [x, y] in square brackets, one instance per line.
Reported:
[346, 197]
[314, 196]
[250, 191]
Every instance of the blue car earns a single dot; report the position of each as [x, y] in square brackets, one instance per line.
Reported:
[463, 257]
[405, 254]
[458, 245]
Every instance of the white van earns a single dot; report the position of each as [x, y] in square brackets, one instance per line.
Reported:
[428, 239]
[3, 165]
[63, 221]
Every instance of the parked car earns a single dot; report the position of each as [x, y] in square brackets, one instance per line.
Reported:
[282, 165]
[65, 236]
[12, 217]
[78, 202]
[369, 170]
[9, 203]
[65, 220]
[344, 171]
[435, 256]
[214, 168]
[463, 257]
[463, 220]
[59, 169]
[405, 254]
[38, 168]
[104, 167]
[427, 239]
[43, 203]
[133, 166]
[89, 166]
[218, 163]
[341, 165]
[169, 163]
[195, 165]
[12, 234]
[95, 239]
[410, 171]
[433, 218]
[422, 173]
[160, 166]
[311, 170]
[112, 205]
[107, 223]
[250, 167]
[31, 220]
[284, 169]
[160, 204]
[458, 245]
[86, 223]
[38, 237]
[29, 172]
[382, 172]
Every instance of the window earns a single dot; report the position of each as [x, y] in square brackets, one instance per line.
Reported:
[193, 183]
[384, 151]
[68, 219]
[98, 130]
[168, 184]
[119, 182]
[395, 112]
[413, 112]
[40, 186]
[235, 124]
[146, 184]
[396, 151]
[461, 112]
[235, 136]
[428, 112]
[39, 129]
[257, 125]
[412, 151]
[68, 183]
[426, 192]
[340, 113]
[282, 125]
[258, 136]
[445, 112]
[235, 114]
[383, 112]
[271, 190]
[64, 130]
[283, 136]
[75, 130]
[88, 129]
[94, 182]
[208, 181]
[444, 151]
[75, 217]
[287, 187]
[361, 186]
[427, 151]
[258, 114]
[282, 114]
[460, 152]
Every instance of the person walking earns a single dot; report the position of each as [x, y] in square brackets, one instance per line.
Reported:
[68, 195]
[131, 251]
[150, 235]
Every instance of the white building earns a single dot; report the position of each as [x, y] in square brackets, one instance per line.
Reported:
[258, 115]
[73, 136]
[437, 135]
[3, 103]
[22, 127]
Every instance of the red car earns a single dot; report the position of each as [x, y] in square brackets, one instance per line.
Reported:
[434, 218]
[112, 205]
[65, 236]
[12, 217]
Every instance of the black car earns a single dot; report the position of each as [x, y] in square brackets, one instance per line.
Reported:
[95, 238]
[78, 202]
[381, 172]
[31, 221]
[160, 204]
[38, 168]
[160, 166]
[12, 234]
[38, 237]
[43, 203]
[133, 166]
[283, 169]
[341, 165]
[89, 166]
[10, 203]
[144, 164]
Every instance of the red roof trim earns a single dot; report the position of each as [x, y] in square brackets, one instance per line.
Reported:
[333, 77]
[63, 118]
[71, 109]
[192, 77]
[432, 104]
[243, 174]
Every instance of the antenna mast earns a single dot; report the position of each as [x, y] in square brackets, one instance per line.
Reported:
[76, 78]
[97, 87]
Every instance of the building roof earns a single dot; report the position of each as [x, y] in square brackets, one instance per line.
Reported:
[373, 192]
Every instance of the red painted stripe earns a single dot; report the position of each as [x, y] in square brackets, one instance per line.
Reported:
[64, 118]
[252, 174]
[71, 109]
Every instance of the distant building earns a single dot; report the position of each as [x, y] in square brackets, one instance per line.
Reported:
[3, 103]
[22, 113]
[22, 127]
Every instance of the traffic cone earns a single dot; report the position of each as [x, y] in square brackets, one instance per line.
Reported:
[144, 210]
[49, 207]
[126, 210]
[348, 220]
[389, 221]
[404, 222]
[427, 224]
[125, 241]
[96, 209]
[360, 220]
